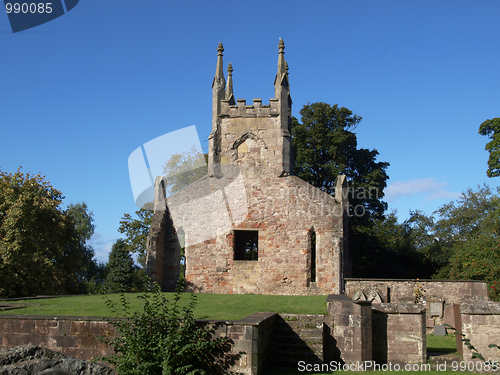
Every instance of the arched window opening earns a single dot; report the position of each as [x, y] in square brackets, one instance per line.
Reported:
[313, 256]
[182, 243]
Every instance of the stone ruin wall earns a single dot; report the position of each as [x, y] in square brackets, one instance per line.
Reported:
[403, 291]
[481, 324]
[438, 296]
[284, 211]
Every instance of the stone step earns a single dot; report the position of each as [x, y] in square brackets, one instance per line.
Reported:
[317, 350]
[297, 337]
[303, 317]
[282, 324]
[294, 339]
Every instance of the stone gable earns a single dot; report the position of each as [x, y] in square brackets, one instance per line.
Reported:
[250, 226]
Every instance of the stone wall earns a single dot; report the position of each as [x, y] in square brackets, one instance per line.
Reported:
[352, 328]
[481, 324]
[252, 337]
[283, 212]
[401, 291]
[399, 333]
[75, 336]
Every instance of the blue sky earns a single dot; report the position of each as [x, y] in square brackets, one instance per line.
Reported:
[79, 94]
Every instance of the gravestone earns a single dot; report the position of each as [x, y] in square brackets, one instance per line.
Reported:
[440, 330]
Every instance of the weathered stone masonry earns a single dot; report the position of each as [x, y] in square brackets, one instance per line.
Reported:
[251, 202]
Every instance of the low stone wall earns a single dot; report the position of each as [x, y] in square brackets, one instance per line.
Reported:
[401, 291]
[75, 336]
[481, 324]
[399, 333]
[251, 336]
[352, 328]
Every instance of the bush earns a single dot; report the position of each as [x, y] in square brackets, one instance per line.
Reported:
[164, 338]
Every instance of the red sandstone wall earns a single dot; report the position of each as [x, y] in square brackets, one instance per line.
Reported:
[73, 336]
[397, 291]
[284, 211]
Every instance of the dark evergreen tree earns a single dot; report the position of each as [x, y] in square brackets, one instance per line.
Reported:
[120, 269]
[325, 147]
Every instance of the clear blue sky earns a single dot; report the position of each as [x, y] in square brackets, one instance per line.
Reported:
[82, 92]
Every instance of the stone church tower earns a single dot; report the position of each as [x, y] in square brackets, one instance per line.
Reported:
[257, 137]
[250, 225]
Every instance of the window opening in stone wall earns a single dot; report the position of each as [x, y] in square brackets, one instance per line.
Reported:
[313, 256]
[246, 244]
[182, 243]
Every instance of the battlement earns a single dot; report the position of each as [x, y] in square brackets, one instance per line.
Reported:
[241, 109]
[255, 137]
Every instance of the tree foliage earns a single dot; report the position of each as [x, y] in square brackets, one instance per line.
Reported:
[325, 147]
[120, 269]
[393, 250]
[468, 234]
[136, 232]
[91, 274]
[164, 338]
[183, 169]
[491, 129]
[40, 243]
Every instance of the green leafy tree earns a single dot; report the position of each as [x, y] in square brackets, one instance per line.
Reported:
[468, 235]
[164, 338]
[136, 231]
[183, 169]
[325, 147]
[90, 273]
[491, 129]
[120, 269]
[478, 259]
[394, 250]
[37, 238]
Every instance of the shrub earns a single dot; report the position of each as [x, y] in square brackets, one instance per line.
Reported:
[164, 338]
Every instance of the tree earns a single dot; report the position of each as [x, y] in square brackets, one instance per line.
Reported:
[468, 234]
[120, 269]
[491, 129]
[478, 259]
[136, 232]
[393, 249]
[91, 274]
[183, 169]
[325, 147]
[40, 246]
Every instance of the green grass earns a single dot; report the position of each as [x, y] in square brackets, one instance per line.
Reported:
[210, 306]
[445, 344]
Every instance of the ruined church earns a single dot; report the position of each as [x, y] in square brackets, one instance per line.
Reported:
[249, 225]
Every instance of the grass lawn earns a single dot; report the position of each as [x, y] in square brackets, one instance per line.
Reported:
[445, 344]
[210, 306]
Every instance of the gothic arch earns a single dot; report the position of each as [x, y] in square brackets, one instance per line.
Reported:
[246, 136]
